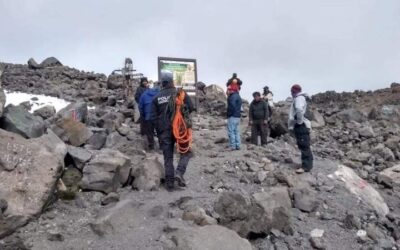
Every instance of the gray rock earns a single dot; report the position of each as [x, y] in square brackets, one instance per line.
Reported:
[55, 236]
[80, 156]
[2, 101]
[208, 237]
[106, 171]
[77, 111]
[97, 140]
[50, 62]
[45, 112]
[111, 121]
[366, 132]
[113, 220]
[390, 176]
[260, 214]
[72, 132]
[199, 216]
[3, 205]
[374, 233]
[32, 64]
[350, 115]
[18, 120]
[110, 198]
[28, 169]
[148, 175]
[305, 200]
[384, 152]
[318, 243]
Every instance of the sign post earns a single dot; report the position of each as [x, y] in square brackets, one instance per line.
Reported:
[184, 72]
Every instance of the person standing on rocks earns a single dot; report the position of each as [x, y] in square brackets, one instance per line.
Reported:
[145, 106]
[144, 85]
[162, 115]
[234, 115]
[234, 82]
[258, 119]
[301, 127]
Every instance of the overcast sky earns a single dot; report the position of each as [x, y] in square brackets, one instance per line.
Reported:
[320, 44]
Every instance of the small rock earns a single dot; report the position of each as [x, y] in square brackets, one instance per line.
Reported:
[55, 236]
[317, 233]
[318, 243]
[110, 198]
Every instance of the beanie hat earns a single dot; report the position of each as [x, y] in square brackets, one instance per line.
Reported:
[296, 89]
[143, 80]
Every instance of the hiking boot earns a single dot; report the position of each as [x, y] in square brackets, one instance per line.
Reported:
[300, 171]
[169, 186]
[180, 180]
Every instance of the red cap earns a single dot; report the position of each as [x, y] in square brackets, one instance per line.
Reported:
[296, 89]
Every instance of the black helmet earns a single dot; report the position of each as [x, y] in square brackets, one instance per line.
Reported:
[167, 78]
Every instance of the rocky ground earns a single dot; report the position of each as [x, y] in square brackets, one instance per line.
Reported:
[90, 183]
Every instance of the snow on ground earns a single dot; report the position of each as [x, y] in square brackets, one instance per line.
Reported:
[17, 98]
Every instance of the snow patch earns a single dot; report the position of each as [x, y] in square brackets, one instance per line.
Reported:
[17, 98]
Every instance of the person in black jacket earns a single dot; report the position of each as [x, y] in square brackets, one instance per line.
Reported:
[258, 119]
[234, 82]
[162, 116]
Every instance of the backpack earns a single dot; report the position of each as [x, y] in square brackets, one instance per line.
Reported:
[308, 114]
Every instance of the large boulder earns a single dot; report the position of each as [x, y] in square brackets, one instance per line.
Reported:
[148, 175]
[258, 214]
[77, 111]
[106, 171]
[350, 115]
[279, 119]
[2, 101]
[276, 205]
[50, 62]
[18, 120]
[214, 100]
[29, 170]
[362, 189]
[71, 131]
[212, 237]
[32, 64]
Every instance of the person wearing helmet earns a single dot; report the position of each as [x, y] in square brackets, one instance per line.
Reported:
[301, 126]
[162, 117]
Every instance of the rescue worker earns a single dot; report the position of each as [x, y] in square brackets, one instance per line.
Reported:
[300, 125]
[162, 115]
[258, 119]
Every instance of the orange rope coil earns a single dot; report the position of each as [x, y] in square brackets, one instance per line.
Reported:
[182, 133]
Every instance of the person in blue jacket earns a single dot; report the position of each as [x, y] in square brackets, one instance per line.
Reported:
[145, 108]
[234, 115]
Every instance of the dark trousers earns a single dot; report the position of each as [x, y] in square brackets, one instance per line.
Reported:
[167, 145]
[258, 128]
[148, 127]
[142, 126]
[302, 134]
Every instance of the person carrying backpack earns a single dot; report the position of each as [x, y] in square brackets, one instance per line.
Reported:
[258, 119]
[170, 112]
[300, 124]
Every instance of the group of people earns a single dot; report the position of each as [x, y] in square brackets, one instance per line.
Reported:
[157, 108]
[260, 115]
[157, 111]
